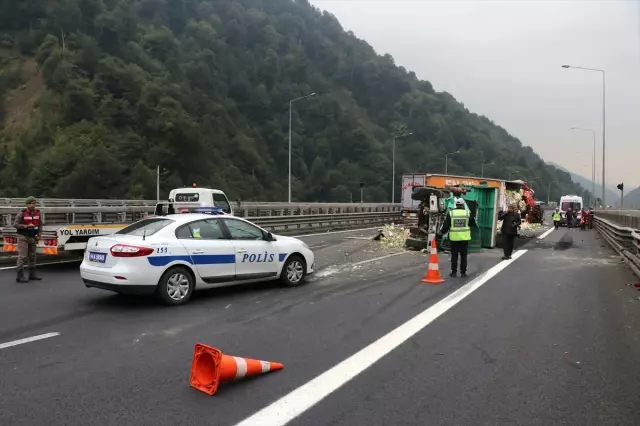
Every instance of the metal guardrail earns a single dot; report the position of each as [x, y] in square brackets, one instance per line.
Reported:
[294, 224]
[624, 239]
[291, 225]
[629, 217]
[287, 224]
[123, 213]
[18, 203]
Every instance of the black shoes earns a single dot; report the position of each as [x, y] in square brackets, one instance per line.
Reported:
[455, 274]
[20, 278]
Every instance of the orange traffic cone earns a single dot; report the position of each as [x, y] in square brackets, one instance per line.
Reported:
[433, 272]
[210, 366]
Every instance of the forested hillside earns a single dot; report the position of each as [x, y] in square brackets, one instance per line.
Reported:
[95, 93]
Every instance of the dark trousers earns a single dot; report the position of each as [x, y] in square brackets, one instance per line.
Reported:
[556, 223]
[26, 252]
[508, 241]
[459, 248]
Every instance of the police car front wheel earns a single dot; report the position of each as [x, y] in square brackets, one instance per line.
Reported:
[293, 272]
[176, 286]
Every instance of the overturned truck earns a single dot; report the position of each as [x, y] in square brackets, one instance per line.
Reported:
[482, 201]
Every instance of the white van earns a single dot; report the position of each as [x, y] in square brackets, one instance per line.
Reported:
[195, 198]
[572, 202]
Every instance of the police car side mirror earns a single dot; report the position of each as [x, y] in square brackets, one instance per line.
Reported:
[269, 237]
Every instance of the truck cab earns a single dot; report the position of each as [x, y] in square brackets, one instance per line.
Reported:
[191, 199]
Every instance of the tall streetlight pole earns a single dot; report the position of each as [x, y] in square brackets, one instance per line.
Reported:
[603, 121]
[446, 161]
[159, 173]
[158, 184]
[549, 191]
[290, 117]
[393, 166]
[533, 179]
[482, 170]
[593, 160]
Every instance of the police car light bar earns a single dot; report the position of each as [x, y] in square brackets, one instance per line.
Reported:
[203, 210]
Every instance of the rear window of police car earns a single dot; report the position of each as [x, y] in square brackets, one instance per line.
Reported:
[145, 227]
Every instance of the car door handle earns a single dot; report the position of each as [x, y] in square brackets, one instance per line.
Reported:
[197, 251]
[242, 251]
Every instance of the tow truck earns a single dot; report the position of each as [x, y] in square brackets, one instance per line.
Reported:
[68, 228]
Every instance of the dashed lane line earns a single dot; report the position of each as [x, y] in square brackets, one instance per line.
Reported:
[335, 232]
[546, 234]
[60, 262]
[28, 340]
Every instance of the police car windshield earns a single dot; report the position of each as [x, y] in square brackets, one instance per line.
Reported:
[145, 227]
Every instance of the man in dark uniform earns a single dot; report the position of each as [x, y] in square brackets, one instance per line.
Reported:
[458, 224]
[29, 226]
[569, 217]
[511, 220]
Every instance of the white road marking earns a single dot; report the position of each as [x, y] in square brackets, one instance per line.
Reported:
[335, 232]
[28, 340]
[330, 270]
[546, 234]
[46, 264]
[377, 258]
[306, 396]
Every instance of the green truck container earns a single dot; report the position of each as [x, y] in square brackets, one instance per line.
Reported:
[483, 201]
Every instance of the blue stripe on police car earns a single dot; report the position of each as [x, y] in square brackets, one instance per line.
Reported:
[202, 259]
[214, 259]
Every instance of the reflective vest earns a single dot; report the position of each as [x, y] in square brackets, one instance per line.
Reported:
[556, 216]
[29, 218]
[460, 230]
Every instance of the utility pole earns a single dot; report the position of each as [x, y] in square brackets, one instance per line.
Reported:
[604, 121]
[446, 161]
[393, 166]
[290, 119]
[549, 192]
[158, 184]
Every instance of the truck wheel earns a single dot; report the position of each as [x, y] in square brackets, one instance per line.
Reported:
[416, 243]
[176, 286]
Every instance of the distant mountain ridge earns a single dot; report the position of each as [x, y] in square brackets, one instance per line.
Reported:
[632, 199]
[611, 193]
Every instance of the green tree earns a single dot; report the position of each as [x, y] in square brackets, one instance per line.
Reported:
[202, 87]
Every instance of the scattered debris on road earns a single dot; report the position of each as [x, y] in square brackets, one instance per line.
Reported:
[394, 237]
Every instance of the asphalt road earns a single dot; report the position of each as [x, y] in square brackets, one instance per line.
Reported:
[552, 338]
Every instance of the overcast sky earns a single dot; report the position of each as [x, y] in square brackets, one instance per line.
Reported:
[503, 59]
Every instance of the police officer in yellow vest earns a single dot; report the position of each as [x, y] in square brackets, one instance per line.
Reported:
[556, 218]
[458, 224]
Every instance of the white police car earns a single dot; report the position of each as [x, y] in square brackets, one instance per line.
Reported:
[173, 255]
